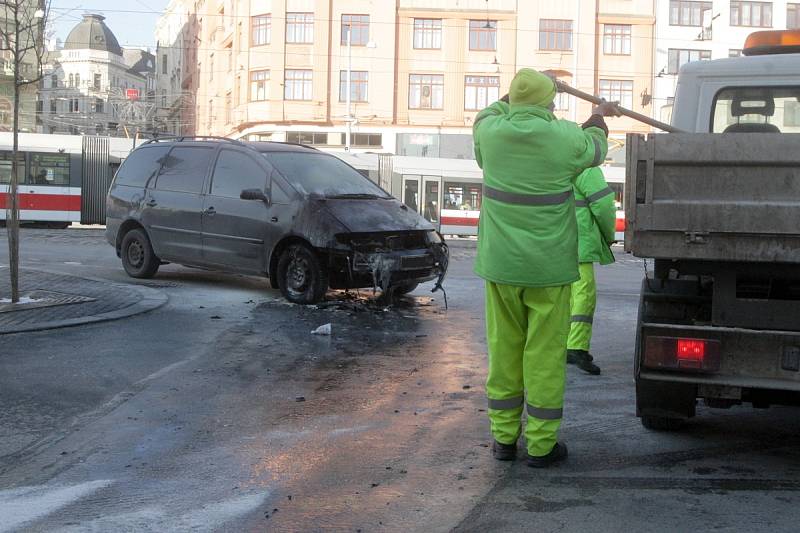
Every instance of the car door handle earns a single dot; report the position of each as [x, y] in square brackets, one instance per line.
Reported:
[152, 202]
[274, 219]
[210, 211]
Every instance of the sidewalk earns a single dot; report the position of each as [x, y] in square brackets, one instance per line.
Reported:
[51, 300]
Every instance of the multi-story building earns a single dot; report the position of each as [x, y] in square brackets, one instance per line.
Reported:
[174, 104]
[94, 86]
[696, 30]
[420, 70]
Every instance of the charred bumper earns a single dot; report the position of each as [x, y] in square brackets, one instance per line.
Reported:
[386, 260]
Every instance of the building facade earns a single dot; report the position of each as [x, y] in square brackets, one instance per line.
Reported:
[420, 70]
[94, 86]
[697, 30]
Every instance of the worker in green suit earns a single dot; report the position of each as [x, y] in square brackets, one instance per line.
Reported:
[528, 256]
[597, 218]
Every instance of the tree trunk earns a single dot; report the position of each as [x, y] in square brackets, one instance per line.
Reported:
[13, 197]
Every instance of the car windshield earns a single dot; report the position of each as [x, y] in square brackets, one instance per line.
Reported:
[323, 174]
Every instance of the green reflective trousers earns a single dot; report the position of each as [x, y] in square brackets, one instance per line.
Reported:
[526, 331]
[582, 305]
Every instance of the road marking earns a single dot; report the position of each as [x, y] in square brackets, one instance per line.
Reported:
[22, 505]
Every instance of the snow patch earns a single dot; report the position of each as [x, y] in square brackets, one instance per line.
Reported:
[23, 300]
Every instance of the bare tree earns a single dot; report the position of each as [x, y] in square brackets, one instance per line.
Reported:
[22, 24]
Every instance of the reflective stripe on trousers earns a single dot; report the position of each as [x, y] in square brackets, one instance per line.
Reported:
[582, 305]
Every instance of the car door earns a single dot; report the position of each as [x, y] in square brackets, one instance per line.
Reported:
[234, 229]
[173, 206]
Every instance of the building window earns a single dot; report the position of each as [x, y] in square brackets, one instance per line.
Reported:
[555, 34]
[480, 91]
[561, 102]
[483, 35]
[73, 105]
[367, 140]
[210, 112]
[261, 29]
[428, 34]
[734, 52]
[687, 12]
[53, 105]
[617, 39]
[259, 83]
[98, 105]
[54, 81]
[163, 63]
[358, 85]
[77, 80]
[359, 29]
[617, 91]
[72, 80]
[757, 14]
[228, 108]
[679, 57]
[312, 138]
[426, 91]
[298, 85]
[300, 28]
[163, 98]
[792, 16]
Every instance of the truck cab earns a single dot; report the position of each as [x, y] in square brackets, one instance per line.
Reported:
[715, 212]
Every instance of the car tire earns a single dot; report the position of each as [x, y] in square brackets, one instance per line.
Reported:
[661, 423]
[406, 288]
[137, 255]
[301, 278]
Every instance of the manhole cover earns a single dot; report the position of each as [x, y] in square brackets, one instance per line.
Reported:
[39, 298]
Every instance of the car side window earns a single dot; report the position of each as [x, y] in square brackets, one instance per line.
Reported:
[236, 171]
[184, 169]
[278, 188]
[141, 166]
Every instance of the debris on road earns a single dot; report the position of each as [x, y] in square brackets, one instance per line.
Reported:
[324, 329]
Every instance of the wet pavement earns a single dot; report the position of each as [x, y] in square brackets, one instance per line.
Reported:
[220, 411]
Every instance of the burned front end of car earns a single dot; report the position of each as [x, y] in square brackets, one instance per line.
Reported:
[388, 259]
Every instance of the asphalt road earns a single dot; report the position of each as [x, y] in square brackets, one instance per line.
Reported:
[220, 411]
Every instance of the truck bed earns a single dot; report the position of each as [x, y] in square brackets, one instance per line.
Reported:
[714, 197]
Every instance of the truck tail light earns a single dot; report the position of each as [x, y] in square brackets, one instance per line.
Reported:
[685, 354]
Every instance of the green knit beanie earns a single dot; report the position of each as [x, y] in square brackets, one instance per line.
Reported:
[531, 87]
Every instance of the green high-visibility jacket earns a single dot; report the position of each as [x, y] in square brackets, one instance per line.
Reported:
[597, 217]
[528, 234]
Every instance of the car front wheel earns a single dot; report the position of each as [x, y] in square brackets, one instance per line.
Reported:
[137, 254]
[301, 278]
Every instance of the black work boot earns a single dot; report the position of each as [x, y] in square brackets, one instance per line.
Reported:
[583, 360]
[504, 452]
[556, 455]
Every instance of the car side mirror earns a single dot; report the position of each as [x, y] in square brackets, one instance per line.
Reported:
[254, 194]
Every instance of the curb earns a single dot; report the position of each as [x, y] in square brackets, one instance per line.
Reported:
[151, 299]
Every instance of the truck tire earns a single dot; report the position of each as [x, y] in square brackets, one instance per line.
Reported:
[138, 258]
[301, 277]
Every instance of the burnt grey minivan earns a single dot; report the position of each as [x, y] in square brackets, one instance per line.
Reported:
[303, 218]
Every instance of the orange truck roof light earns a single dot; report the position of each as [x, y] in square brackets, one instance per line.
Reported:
[772, 42]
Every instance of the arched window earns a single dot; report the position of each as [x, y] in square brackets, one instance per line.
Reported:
[77, 80]
[71, 80]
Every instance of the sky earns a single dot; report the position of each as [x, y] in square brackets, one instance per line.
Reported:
[133, 22]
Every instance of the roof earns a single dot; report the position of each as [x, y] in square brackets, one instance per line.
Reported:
[92, 33]
[771, 65]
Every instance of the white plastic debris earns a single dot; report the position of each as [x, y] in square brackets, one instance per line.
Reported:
[325, 329]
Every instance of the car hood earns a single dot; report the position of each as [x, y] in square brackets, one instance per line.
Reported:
[363, 216]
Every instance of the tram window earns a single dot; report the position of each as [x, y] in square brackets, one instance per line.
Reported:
[184, 169]
[141, 166]
[462, 196]
[49, 169]
[5, 168]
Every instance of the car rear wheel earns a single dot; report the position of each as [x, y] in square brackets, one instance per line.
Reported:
[137, 254]
[405, 288]
[301, 278]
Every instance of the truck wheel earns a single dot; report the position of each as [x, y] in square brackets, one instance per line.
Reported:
[301, 278]
[661, 423]
[137, 254]
[406, 288]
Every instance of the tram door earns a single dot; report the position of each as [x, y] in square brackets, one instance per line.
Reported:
[423, 194]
